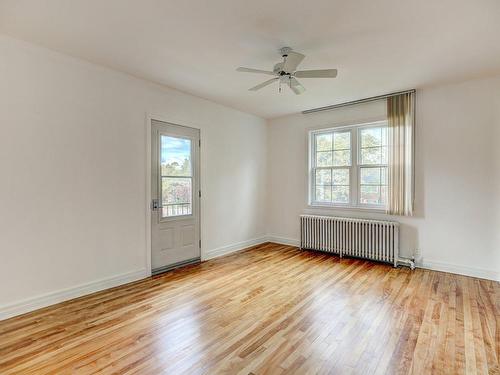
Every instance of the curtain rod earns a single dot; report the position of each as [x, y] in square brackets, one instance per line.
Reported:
[359, 101]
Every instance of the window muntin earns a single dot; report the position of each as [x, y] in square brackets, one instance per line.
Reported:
[349, 166]
[176, 176]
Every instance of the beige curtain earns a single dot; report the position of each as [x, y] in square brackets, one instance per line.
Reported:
[401, 118]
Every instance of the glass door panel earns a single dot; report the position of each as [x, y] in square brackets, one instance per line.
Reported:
[176, 176]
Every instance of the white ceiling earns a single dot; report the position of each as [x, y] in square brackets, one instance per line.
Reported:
[378, 46]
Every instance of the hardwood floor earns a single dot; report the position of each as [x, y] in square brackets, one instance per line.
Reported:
[272, 309]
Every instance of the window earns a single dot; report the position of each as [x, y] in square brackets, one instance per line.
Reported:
[373, 165]
[348, 166]
[176, 176]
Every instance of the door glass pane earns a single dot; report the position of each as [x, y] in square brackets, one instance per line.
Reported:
[175, 156]
[176, 195]
[176, 176]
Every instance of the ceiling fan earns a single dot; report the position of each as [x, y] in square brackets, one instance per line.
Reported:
[286, 72]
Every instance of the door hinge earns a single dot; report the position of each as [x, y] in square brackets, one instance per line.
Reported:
[199, 193]
[200, 244]
[199, 142]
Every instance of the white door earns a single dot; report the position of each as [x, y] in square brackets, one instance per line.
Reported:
[175, 192]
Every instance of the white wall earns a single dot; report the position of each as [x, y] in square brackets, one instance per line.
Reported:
[457, 222]
[73, 167]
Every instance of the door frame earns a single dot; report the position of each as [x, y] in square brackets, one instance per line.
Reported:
[174, 121]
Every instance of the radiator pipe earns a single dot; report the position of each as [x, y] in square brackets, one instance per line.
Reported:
[407, 262]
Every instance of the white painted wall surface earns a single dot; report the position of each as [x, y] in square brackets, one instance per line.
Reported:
[73, 166]
[457, 221]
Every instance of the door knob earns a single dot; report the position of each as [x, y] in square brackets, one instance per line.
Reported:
[155, 204]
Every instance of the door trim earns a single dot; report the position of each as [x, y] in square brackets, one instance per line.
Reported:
[174, 121]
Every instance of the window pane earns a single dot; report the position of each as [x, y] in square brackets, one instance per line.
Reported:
[384, 136]
[370, 176]
[176, 196]
[323, 193]
[324, 159]
[370, 195]
[342, 140]
[340, 194]
[340, 176]
[324, 142]
[371, 155]
[383, 176]
[383, 195]
[175, 156]
[323, 177]
[371, 137]
[384, 154]
[342, 158]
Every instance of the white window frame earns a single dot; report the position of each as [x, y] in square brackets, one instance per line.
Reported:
[354, 168]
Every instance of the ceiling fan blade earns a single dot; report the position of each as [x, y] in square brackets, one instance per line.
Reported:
[321, 73]
[263, 84]
[250, 70]
[296, 87]
[292, 61]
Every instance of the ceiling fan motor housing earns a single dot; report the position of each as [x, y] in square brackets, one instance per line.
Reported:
[285, 51]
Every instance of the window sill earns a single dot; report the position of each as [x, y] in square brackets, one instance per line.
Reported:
[346, 208]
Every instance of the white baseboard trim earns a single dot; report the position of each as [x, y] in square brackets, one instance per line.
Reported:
[459, 269]
[35, 303]
[225, 250]
[283, 240]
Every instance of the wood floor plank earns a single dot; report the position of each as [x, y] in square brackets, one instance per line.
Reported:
[272, 309]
